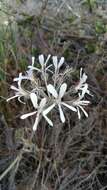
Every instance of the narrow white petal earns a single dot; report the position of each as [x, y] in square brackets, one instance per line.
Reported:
[55, 62]
[62, 117]
[41, 60]
[33, 61]
[52, 90]
[48, 120]
[84, 78]
[85, 113]
[34, 100]
[79, 115]
[46, 111]
[61, 62]
[80, 97]
[42, 104]
[14, 88]
[36, 123]
[34, 68]
[80, 73]
[62, 90]
[88, 92]
[48, 67]
[17, 78]
[12, 98]
[19, 99]
[47, 59]
[20, 79]
[29, 74]
[20, 75]
[81, 102]
[84, 90]
[49, 71]
[84, 102]
[69, 106]
[28, 114]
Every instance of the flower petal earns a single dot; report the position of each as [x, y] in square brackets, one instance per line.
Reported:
[12, 98]
[34, 68]
[84, 78]
[46, 111]
[61, 62]
[17, 78]
[55, 62]
[42, 104]
[85, 113]
[62, 117]
[49, 71]
[89, 93]
[34, 100]
[52, 90]
[14, 88]
[48, 67]
[33, 60]
[41, 60]
[48, 120]
[20, 79]
[84, 102]
[84, 90]
[81, 73]
[24, 116]
[19, 99]
[79, 115]
[47, 59]
[36, 122]
[62, 90]
[69, 106]
[81, 102]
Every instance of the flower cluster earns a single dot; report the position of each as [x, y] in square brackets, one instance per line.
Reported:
[48, 89]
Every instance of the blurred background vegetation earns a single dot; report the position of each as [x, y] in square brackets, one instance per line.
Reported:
[77, 30]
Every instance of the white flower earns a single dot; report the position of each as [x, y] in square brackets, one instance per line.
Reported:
[78, 104]
[57, 64]
[29, 74]
[83, 78]
[39, 111]
[21, 77]
[85, 90]
[19, 92]
[82, 85]
[43, 65]
[58, 100]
